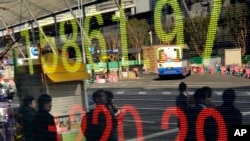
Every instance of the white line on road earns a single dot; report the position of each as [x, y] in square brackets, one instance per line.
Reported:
[191, 92]
[157, 134]
[245, 113]
[142, 93]
[120, 92]
[218, 92]
[166, 93]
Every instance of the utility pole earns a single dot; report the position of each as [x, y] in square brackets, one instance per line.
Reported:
[118, 4]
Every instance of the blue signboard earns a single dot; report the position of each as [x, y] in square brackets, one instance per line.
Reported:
[34, 51]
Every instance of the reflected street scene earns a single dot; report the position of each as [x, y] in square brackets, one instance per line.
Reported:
[124, 70]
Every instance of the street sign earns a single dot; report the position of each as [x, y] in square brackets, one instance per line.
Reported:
[34, 53]
[9, 62]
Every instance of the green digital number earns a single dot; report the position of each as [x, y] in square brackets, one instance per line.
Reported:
[25, 33]
[178, 27]
[70, 42]
[212, 28]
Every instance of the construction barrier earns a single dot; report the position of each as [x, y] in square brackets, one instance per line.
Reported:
[238, 71]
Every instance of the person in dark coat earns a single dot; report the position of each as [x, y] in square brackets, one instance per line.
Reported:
[95, 132]
[200, 99]
[208, 92]
[27, 112]
[114, 112]
[44, 127]
[181, 100]
[231, 114]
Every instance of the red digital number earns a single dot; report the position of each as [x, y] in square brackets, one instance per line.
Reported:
[210, 112]
[107, 131]
[83, 127]
[54, 128]
[77, 108]
[130, 109]
[182, 118]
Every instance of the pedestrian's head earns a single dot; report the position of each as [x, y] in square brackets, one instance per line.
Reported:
[182, 87]
[207, 91]
[229, 96]
[200, 97]
[45, 102]
[29, 101]
[110, 96]
[100, 97]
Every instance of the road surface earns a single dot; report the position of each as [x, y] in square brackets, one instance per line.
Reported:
[151, 97]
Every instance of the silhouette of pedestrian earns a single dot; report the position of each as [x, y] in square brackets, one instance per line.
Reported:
[181, 100]
[28, 111]
[208, 92]
[200, 99]
[94, 132]
[43, 123]
[231, 114]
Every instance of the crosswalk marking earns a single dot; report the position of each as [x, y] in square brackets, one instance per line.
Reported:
[166, 93]
[142, 93]
[218, 92]
[120, 92]
[163, 92]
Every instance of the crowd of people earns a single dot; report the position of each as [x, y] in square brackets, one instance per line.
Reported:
[39, 125]
[192, 105]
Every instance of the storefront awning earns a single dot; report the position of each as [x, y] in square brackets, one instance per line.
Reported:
[58, 72]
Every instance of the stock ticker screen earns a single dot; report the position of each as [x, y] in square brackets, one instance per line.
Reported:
[200, 94]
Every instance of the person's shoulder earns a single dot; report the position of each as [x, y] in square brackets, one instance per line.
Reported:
[221, 107]
[43, 114]
[90, 112]
[228, 109]
[236, 110]
[36, 117]
[180, 96]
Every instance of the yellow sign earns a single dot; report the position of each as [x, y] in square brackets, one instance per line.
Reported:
[61, 74]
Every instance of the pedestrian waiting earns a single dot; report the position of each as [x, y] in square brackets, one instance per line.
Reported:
[231, 114]
[44, 126]
[27, 112]
[94, 132]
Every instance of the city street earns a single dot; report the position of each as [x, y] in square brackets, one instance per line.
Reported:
[151, 97]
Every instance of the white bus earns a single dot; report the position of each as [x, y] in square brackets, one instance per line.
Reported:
[173, 60]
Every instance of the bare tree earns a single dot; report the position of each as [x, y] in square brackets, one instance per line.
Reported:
[196, 36]
[237, 25]
[112, 38]
[168, 26]
[137, 32]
